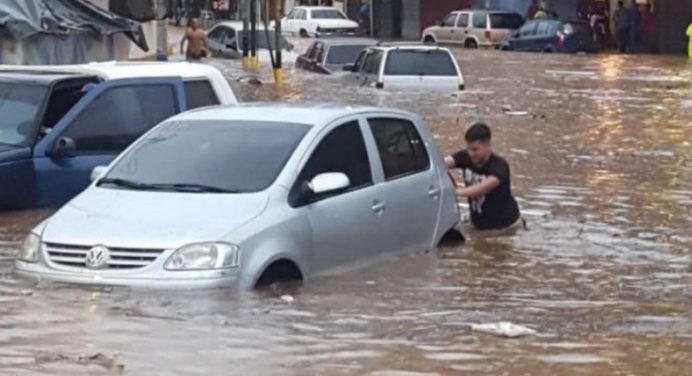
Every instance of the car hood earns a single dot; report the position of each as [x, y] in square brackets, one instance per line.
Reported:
[336, 23]
[13, 153]
[155, 220]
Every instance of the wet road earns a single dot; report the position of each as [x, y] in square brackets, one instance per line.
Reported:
[602, 164]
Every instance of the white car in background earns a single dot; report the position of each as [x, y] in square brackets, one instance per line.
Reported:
[317, 21]
[406, 67]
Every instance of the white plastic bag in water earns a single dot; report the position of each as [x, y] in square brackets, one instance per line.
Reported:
[503, 329]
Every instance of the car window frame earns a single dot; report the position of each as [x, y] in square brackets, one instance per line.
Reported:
[381, 56]
[468, 18]
[307, 156]
[454, 15]
[416, 128]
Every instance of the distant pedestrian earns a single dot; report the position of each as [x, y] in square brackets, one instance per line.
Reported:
[364, 16]
[648, 29]
[532, 10]
[487, 179]
[633, 21]
[196, 41]
[620, 22]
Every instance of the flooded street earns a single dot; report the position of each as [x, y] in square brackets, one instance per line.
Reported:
[602, 166]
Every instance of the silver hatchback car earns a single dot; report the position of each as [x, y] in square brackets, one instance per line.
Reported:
[250, 195]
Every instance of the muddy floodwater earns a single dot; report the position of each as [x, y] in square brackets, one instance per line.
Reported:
[601, 155]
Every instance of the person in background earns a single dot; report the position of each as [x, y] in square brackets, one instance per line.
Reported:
[620, 22]
[531, 10]
[196, 41]
[364, 15]
[689, 35]
[487, 179]
[633, 21]
[648, 29]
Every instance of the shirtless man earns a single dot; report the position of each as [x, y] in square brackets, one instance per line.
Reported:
[197, 41]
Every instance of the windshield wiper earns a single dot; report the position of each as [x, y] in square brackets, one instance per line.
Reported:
[178, 187]
[124, 183]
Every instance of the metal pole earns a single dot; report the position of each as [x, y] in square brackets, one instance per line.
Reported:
[243, 7]
[253, 33]
[278, 73]
[372, 19]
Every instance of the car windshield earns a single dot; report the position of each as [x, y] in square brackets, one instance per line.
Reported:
[346, 54]
[328, 14]
[576, 28]
[419, 63]
[262, 41]
[208, 156]
[19, 107]
[505, 21]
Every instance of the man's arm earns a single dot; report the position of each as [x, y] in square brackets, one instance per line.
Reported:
[486, 186]
[450, 162]
[182, 43]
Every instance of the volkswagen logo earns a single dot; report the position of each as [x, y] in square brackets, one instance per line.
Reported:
[97, 257]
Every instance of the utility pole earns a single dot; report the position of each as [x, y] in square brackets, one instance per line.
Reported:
[244, 10]
[278, 7]
[254, 62]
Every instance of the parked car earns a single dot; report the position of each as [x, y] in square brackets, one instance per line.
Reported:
[406, 66]
[317, 22]
[225, 40]
[552, 36]
[250, 195]
[61, 121]
[474, 28]
[330, 55]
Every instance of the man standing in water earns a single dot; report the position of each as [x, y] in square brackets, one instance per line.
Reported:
[196, 41]
[487, 178]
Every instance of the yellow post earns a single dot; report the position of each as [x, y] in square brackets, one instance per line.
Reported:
[689, 35]
[278, 78]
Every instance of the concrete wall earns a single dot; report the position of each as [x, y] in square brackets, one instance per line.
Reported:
[410, 23]
[673, 18]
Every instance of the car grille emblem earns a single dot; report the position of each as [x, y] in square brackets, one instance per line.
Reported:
[97, 257]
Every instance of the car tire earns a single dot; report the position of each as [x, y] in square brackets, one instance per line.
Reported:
[548, 50]
[429, 39]
[304, 33]
[470, 43]
[279, 272]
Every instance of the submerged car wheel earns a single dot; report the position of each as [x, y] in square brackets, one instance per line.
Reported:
[429, 39]
[278, 272]
[470, 43]
[304, 33]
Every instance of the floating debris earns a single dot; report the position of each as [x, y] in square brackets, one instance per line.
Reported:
[503, 329]
[287, 299]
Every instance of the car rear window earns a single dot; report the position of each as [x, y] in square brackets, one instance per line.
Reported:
[330, 14]
[420, 63]
[505, 21]
[576, 28]
[237, 156]
[346, 54]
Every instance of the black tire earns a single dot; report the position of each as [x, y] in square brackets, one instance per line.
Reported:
[279, 272]
[470, 43]
[304, 33]
[429, 40]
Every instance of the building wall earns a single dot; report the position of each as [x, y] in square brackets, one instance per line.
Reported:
[673, 18]
[565, 9]
[411, 22]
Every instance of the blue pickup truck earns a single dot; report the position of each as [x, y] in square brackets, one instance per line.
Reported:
[58, 123]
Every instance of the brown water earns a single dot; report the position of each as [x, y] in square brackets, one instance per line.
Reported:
[602, 165]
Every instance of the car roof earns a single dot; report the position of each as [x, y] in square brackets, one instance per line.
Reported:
[116, 70]
[317, 114]
[422, 47]
[346, 41]
[238, 25]
[40, 78]
[315, 8]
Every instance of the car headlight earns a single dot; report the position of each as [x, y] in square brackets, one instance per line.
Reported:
[29, 249]
[204, 256]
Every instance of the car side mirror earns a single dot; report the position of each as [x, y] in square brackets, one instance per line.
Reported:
[65, 147]
[98, 172]
[329, 182]
[349, 67]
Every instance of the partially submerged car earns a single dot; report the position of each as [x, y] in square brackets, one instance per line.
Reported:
[406, 66]
[474, 28]
[330, 55]
[318, 22]
[250, 195]
[552, 36]
[59, 122]
[225, 40]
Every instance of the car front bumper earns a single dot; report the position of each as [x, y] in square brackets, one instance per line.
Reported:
[144, 278]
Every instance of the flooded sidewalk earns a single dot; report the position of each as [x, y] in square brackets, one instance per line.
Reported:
[601, 155]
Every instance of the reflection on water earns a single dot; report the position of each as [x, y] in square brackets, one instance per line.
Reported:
[602, 166]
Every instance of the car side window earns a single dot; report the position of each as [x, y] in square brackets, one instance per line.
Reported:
[480, 20]
[401, 148]
[303, 14]
[342, 150]
[543, 28]
[316, 51]
[292, 14]
[217, 35]
[449, 20]
[200, 93]
[528, 30]
[117, 117]
[463, 20]
[372, 62]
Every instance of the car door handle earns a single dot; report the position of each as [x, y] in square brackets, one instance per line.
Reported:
[434, 192]
[378, 207]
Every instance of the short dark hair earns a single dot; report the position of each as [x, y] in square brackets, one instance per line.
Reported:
[478, 132]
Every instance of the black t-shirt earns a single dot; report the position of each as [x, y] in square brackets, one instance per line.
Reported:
[497, 209]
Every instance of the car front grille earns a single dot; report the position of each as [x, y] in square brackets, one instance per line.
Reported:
[120, 258]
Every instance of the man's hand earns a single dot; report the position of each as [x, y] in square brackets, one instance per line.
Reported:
[484, 187]
[450, 162]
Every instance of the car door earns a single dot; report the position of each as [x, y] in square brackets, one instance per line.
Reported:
[542, 39]
[410, 182]
[215, 39]
[462, 29]
[447, 27]
[347, 225]
[371, 68]
[103, 123]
